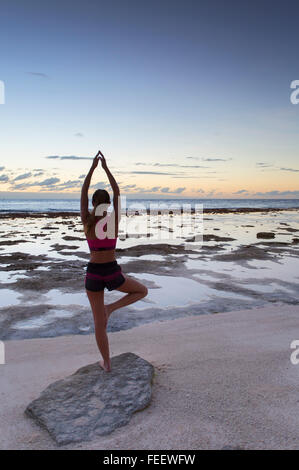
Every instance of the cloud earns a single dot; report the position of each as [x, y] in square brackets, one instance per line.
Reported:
[79, 134]
[164, 164]
[129, 186]
[142, 190]
[155, 189]
[176, 165]
[289, 169]
[209, 159]
[175, 191]
[215, 159]
[21, 186]
[295, 193]
[39, 173]
[194, 176]
[23, 176]
[39, 74]
[3, 178]
[2, 168]
[193, 166]
[263, 164]
[241, 191]
[82, 176]
[68, 157]
[100, 185]
[47, 182]
[206, 194]
[178, 190]
[74, 157]
[149, 173]
[211, 193]
[69, 184]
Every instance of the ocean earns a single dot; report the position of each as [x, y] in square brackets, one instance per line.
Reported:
[73, 205]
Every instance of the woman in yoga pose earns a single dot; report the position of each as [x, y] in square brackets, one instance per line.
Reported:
[103, 269]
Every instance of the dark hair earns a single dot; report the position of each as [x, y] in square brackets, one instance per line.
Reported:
[100, 196]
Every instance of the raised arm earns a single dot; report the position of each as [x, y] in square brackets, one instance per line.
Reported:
[115, 189]
[84, 191]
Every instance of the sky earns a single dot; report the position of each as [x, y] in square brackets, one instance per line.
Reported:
[187, 99]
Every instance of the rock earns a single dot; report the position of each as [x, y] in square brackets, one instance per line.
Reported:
[71, 238]
[58, 247]
[289, 229]
[244, 254]
[13, 242]
[211, 237]
[92, 402]
[265, 235]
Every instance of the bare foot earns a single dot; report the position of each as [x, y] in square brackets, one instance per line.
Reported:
[107, 368]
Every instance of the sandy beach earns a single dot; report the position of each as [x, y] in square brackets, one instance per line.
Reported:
[221, 381]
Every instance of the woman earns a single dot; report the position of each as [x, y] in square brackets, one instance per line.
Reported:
[103, 270]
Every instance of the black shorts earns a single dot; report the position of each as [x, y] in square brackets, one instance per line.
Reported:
[101, 275]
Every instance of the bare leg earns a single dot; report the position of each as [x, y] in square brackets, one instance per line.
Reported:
[135, 291]
[96, 300]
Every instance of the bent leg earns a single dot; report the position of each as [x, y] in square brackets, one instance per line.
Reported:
[135, 291]
[96, 300]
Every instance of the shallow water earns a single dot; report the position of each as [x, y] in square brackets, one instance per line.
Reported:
[177, 282]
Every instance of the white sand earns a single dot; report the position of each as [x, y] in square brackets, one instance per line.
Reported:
[221, 380]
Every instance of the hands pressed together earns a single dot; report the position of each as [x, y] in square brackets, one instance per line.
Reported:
[99, 156]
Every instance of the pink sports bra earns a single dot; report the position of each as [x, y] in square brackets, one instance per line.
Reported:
[97, 244]
[100, 245]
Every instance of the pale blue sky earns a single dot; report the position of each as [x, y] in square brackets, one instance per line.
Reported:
[150, 84]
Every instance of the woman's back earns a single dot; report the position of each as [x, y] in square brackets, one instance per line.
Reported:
[101, 237]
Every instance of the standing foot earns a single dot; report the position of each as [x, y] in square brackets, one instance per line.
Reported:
[105, 366]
